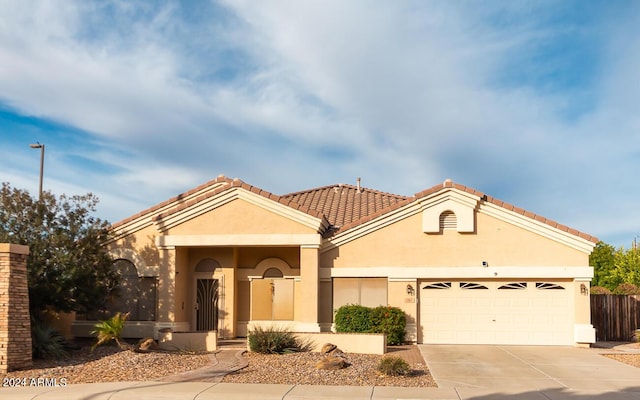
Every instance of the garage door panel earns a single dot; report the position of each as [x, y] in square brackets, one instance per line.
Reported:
[526, 314]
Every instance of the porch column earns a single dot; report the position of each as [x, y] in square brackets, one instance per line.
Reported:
[309, 284]
[167, 285]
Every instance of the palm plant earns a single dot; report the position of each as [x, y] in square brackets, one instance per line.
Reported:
[109, 330]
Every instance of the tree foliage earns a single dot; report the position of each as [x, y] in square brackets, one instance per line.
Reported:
[68, 268]
[615, 267]
[601, 259]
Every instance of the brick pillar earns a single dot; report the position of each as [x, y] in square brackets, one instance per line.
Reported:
[15, 325]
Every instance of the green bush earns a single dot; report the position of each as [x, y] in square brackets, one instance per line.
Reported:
[353, 318]
[383, 319]
[274, 340]
[47, 342]
[393, 366]
[390, 321]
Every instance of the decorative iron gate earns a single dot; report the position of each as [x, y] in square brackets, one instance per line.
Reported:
[207, 304]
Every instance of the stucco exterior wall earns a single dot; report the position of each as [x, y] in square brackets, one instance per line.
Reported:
[239, 217]
[497, 242]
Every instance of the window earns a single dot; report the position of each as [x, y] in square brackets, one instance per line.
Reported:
[368, 292]
[513, 286]
[438, 285]
[272, 273]
[548, 286]
[472, 286]
[207, 265]
[135, 295]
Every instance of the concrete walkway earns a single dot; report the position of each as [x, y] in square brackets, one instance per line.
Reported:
[462, 372]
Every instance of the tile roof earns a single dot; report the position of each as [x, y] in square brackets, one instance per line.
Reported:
[208, 190]
[340, 207]
[484, 197]
[344, 204]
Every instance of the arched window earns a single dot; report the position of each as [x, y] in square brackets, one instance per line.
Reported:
[448, 221]
[272, 273]
[135, 295]
[207, 265]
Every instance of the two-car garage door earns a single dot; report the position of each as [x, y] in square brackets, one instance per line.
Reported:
[496, 312]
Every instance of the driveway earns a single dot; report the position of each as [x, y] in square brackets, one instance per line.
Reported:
[552, 369]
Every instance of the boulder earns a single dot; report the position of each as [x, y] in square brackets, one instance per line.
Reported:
[328, 348]
[146, 345]
[332, 363]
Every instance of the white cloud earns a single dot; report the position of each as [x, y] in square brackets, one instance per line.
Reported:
[289, 95]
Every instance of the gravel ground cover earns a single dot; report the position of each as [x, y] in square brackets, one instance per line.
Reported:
[299, 368]
[631, 359]
[111, 364]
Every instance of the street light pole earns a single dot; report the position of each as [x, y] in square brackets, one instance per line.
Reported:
[41, 147]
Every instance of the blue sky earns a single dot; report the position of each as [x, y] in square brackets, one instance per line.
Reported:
[535, 103]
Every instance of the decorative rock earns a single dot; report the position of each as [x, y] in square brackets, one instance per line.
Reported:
[332, 363]
[337, 352]
[328, 348]
[146, 345]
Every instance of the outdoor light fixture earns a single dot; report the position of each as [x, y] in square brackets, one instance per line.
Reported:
[583, 289]
[37, 145]
[410, 290]
[485, 264]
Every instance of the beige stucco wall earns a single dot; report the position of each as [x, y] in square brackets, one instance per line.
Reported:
[240, 217]
[497, 242]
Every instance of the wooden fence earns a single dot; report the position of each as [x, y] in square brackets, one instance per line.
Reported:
[615, 316]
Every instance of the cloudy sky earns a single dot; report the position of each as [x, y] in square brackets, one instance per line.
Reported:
[535, 103]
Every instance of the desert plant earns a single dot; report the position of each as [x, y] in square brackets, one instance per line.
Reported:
[353, 318]
[627, 288]
[600, 290]
[393, 366]
[273, 340]
[47, 342]
[391, 321]
[109, 330]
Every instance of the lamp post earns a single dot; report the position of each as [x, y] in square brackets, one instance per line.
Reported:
[41, 147]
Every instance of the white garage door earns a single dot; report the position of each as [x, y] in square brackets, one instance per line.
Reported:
[490, 312]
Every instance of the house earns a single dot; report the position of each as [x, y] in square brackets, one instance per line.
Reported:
[465, 267]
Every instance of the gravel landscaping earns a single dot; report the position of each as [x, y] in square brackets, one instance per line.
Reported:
[299, 368]
[111, 364]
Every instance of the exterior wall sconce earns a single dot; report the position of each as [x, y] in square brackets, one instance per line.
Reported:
[485, 264]
[410, 290]
[583, 289]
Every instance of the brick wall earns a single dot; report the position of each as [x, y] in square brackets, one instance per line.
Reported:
[15, 326]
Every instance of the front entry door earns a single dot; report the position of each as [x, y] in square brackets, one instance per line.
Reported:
[207, 299]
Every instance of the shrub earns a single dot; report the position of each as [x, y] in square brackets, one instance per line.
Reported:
[626, 288]
[390, 321]
[393, 366]
[383, 319]
[353, 318]
[275, 341]
[600, 290]
[47, 342]
[109, 330]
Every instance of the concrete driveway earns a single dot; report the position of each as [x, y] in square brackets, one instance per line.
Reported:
[552, 369]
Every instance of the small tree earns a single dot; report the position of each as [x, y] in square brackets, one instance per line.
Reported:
[68, 267]
[602, 261]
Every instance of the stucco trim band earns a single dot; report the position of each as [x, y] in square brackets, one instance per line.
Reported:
[239, 240]
[578, 272]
